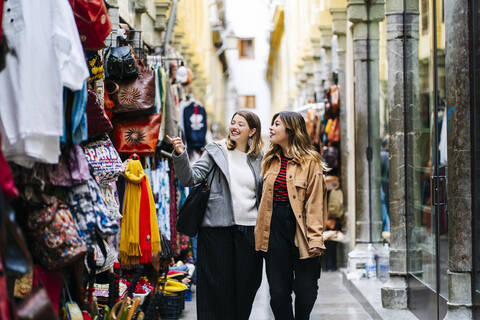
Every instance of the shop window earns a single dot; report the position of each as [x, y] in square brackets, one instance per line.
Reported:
[424, 16]
[246, 102]
[427, 169]
[246, 48]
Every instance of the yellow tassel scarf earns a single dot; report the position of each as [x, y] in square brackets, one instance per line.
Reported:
[130, 251]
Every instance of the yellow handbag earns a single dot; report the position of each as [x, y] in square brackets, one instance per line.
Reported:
[328, 126]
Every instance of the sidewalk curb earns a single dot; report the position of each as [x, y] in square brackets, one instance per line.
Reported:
[359, 296]
[368, 294]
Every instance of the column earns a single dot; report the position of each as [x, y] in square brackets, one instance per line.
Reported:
[338, 11]
[114, 16]
[326, 44]
[309, 71]
[317, 67]
[339, 28]
[161, 14]
[160, 24]
[368, 205]
[394, 293]
[458, 84]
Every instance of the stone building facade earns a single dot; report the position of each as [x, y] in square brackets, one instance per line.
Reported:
[198, 34]
[408, 73]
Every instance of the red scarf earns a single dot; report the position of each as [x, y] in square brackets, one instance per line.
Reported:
[145, 231]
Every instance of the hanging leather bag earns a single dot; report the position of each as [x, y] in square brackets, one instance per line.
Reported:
[97, 121]
[139, 135]
[92, 22]
[332, 157]
[135, 96]
[120, 63]
[334, 97]
[334, 132]
[191, 215]
[37, 306]
[335, 204]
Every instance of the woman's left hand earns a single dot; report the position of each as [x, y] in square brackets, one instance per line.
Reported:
[316, 251]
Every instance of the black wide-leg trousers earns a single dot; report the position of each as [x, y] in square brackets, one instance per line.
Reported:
[248, 269]
[229, 272]
[286, 272]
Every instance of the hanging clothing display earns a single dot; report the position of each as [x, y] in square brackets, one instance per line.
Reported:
[95, 190]
[195, 123]
[163, 201]
[49, 56]
[139, 239]
[75, 103]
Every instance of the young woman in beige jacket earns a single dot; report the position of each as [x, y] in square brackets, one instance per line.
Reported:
[291, 217]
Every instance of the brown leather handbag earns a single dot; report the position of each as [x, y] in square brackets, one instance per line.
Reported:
[334, 97]
[334, 133]
[135, 96]
[37, 306]
[98, 122]
[139, 135]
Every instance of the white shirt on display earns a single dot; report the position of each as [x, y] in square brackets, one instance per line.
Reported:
[49, 56]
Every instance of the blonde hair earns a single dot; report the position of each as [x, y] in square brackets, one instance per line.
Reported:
[299, 147]
[253, 121]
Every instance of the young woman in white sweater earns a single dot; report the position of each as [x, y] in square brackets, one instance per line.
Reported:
[229, 270]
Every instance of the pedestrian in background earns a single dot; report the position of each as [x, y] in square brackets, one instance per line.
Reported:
[291, 217]
[229, 270]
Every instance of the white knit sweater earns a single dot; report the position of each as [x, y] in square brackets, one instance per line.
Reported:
[242, 187]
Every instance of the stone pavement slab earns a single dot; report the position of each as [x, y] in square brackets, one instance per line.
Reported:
[334, 302]
[368, 293]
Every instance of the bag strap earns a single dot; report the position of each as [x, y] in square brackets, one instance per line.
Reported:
[212, 169]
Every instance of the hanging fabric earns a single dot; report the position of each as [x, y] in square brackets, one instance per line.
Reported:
[32, 123]
[139, 239]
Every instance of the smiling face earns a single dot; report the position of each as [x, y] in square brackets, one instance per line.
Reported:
[278, 132]
[239, 131]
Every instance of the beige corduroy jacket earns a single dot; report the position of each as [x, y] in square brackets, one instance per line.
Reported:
[308, 199]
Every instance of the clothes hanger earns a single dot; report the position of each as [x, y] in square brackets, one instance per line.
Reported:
[134, 156]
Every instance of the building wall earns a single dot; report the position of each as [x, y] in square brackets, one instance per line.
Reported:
[247, 76]
[191, 40]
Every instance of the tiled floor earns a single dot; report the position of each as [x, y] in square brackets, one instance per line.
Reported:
[334, 302]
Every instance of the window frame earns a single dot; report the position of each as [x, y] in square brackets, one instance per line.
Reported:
[241, 48]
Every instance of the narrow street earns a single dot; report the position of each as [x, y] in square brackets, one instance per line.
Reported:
[334, 302]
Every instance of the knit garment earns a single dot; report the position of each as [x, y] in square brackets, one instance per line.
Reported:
[134, 207]
[280, 192]
[145, 229]
[242, 187]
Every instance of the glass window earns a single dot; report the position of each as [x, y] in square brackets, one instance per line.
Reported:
[246, 48]
[383, 133]
[427, 161]
[246, 102]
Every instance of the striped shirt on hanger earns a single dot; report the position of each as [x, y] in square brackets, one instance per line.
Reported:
[280, 192]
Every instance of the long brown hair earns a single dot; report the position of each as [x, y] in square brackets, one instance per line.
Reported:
[253, 121]
[300, 146]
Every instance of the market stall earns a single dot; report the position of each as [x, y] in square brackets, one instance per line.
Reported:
[89, 197]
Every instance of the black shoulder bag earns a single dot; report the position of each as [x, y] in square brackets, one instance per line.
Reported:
[191, 214]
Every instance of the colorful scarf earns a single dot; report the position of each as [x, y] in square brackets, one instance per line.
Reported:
[139, 237]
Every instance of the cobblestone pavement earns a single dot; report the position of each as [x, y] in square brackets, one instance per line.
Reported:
[334, 302]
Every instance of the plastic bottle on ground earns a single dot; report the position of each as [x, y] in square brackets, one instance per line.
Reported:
[384, 263]
[371, 265]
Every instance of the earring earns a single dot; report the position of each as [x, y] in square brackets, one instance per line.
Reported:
[249, 142]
